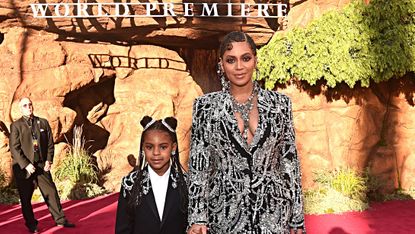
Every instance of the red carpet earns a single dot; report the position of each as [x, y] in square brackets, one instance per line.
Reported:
[98, 216]
[395, 217]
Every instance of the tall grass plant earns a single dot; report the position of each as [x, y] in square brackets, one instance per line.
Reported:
[77, 166]
[77, 173]
[337, 191]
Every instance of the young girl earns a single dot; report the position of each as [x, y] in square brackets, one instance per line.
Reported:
[153, 197]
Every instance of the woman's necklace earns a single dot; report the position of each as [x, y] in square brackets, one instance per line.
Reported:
[245, 108]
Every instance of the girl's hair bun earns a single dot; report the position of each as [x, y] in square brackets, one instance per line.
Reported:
[145, 120]
[172, 122]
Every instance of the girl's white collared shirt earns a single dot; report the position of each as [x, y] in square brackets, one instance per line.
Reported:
[159, 184]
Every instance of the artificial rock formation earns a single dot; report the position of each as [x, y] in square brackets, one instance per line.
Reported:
[105, 88]
[303, 12]
[172, 31]
[103, 75]
[90, 72]
[363, 128]
[166, 89]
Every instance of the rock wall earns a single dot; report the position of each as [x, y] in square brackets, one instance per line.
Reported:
[106, 74]
[364, 128]
[105, 88]
[166, 31]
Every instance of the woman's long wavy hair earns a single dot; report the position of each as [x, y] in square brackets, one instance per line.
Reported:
[137, 193]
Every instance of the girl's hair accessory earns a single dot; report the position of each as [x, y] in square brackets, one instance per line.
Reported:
[167, 126]
[149, 124]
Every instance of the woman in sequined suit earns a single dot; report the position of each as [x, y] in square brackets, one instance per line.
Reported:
[244, 173]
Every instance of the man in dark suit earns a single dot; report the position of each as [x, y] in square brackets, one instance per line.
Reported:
[32, 148]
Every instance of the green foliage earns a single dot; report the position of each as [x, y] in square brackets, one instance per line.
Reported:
[77, 174]
[346, 181]
[337, 191]
[328, 201]
[70, 191]
[374, 186]
[3, 178]
[360, 43]
[400, 194]
[77, 166]
[8, 195]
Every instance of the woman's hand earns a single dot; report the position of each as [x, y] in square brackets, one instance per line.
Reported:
[298, 231]
[197, 229]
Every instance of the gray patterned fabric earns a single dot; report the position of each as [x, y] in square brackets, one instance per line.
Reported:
[240, 188]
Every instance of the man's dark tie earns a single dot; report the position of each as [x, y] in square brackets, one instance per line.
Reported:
[34, 140]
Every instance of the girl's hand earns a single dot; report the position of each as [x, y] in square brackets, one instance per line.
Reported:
[197, 229]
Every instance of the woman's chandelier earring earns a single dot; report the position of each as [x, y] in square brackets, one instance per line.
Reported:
[221, 75]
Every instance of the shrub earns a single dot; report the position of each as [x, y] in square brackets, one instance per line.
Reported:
[358, 44]
[77, 174]
[70, 191]
[345, 180]
[327, 201]
[3, 178]
[79, 190]
[77, 166]
[8, 195]
[400, 194]
[337, 191]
